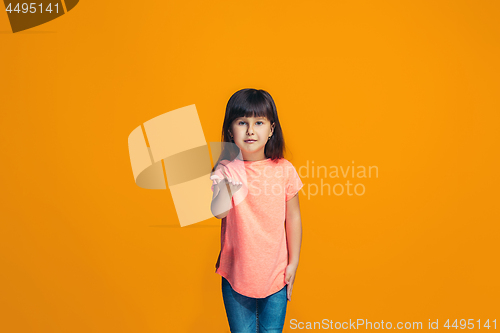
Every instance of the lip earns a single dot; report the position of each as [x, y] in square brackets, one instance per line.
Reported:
[250, 141]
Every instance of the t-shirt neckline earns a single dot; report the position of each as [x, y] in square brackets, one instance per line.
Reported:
[264, 160]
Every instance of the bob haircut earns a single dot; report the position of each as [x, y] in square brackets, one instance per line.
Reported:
[250, 102]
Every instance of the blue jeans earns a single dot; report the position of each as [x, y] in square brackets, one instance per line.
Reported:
[249, 315]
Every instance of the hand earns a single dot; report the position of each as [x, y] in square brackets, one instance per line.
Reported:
[290, 271]
[231, 184]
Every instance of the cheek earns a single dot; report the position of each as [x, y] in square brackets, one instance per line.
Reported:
[238, 131]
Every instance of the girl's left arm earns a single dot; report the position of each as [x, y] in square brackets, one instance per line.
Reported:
[293, 226]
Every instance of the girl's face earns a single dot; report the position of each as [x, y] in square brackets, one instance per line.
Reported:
[250, 134]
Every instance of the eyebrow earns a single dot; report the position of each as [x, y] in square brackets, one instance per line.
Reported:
[250, 117]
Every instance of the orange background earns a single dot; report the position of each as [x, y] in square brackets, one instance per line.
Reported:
[410, 87]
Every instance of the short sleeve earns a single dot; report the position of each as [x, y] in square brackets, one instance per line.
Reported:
[293, 182]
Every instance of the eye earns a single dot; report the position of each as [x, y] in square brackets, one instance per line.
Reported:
[243, 122]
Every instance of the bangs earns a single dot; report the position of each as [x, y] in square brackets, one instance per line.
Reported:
[255, 105]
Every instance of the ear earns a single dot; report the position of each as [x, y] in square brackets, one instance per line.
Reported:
[272, 128]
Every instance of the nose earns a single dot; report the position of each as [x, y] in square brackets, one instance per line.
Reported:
[250, 130]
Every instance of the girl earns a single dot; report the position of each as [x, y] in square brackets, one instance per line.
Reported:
[255, 194]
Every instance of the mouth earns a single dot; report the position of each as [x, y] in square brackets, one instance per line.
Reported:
[250, 141]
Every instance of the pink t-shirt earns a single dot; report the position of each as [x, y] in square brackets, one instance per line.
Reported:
[254, 252]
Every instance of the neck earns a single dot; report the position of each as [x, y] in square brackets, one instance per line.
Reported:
[251, 158]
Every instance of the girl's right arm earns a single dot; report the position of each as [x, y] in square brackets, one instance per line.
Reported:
[222, 196]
